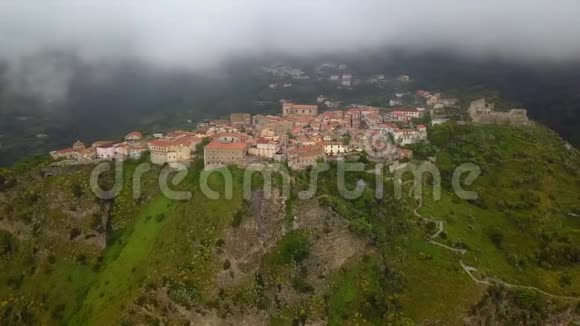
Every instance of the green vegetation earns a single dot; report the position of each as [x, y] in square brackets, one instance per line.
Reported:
[365, 294]
[69, 258]
[120, 277]
[526, 191]
[294, 247]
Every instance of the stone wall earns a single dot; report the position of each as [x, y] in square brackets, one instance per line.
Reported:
[481, 112]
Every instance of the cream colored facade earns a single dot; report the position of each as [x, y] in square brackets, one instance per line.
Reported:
[168, 152]
[240, 119]
[267, 149]
[299, 109]
[220, 154]
[303, 157]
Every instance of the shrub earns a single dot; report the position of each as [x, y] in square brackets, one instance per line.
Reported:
[58, 312]
[529, 299]
[565, 280]
[238, 217]
[7, 243]
[96, 221]
[74, 232]
[77, 190]
[160, 217]
[15, 282]
[82, 259]
[294, 247]
[301, 286]
[361, 226]
[496, 236]
[183, 295]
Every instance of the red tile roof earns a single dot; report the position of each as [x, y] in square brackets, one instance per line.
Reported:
[161, 142]
[231, 146]
[100, 143]
[387, 125]
[108, 144]
[177, 133]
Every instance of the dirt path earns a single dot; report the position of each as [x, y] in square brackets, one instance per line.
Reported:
[469, 269]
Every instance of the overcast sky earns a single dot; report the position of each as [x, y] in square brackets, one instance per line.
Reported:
[199, 34]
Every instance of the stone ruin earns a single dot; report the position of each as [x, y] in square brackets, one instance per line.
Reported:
[484, 113]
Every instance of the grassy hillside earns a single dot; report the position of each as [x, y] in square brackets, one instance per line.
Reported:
[69, 258]
[523, 228]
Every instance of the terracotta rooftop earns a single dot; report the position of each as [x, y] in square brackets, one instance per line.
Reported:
[161, 143]
[100, 143]
[231, 146]
[387, 125]
[298, 118]
[107, 144]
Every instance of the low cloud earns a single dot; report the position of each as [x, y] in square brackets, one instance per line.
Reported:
[203, 34]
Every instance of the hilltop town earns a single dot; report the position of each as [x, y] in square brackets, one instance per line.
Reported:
[302, 135]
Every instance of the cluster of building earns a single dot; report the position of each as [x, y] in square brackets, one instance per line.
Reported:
[300, 135]
[339, 74]
[303, 135]
[132, 147]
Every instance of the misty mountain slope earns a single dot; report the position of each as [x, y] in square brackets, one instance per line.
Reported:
[286, 260]
[548, 90]
[105, 101]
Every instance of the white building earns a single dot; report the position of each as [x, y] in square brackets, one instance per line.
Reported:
[394, 102]
[410, 136]
[335, 148]
[265, 148]
[106, 151]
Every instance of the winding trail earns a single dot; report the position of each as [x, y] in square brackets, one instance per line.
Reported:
[470, 269]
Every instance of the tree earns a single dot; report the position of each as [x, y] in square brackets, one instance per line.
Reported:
[199, 147]
[496, 236]
[7, 245]
[77, 190]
